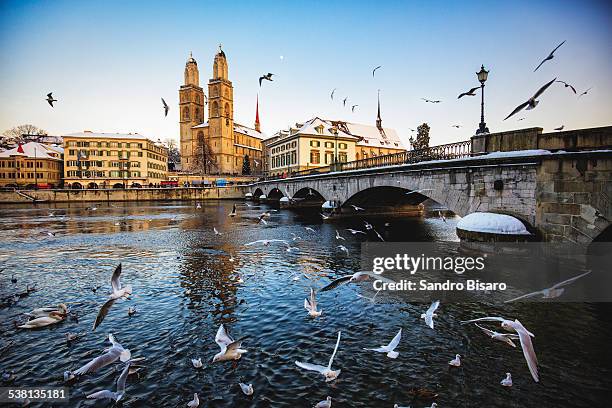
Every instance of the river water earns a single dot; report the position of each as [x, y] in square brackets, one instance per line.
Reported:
[186, 283]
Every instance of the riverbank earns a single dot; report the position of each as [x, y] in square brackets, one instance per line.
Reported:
[114, 195]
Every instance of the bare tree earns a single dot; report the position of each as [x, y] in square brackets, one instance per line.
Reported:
[203, 159]
[174, 154]
[21, 134]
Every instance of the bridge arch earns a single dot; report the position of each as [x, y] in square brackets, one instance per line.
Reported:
[379, 196]
[258, 192]
[309, 194]
[275, 194]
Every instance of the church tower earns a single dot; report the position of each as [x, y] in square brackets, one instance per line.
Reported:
[221, 115]
[191, 111]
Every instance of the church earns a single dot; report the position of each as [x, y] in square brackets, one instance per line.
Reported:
[219, 145]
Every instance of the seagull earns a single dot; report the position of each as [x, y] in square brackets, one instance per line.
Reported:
[246, 389]
[442, 217]
[418, 191]
[338, 236]
[429, 314]
[233, 213]
[553, 292]
[267, 242]
[343, 248]
[325, 217]
[524, 337]
[92, 208]
[311, 305]
[531, 102]
[131, 311]
[51, 318]
[13, 279]
[326, 403]
[50, 99]
[378, 235]
[389, 348]
[118, 292]
[354, 278]
[455, 362]
[267, 77]
[505, 337]
[310, 192]
[456, 126]
[354, 231]
[357, 208]
[368, 226]
[216, 231]
[230, 348]
[104, 394]
[198, 206]
[114, 353]
[468, 93]
[309, 229]
[507, 382]
[353, 107]
[560, 127]
[550, 56]
[374, 70]
[585, 92]
[262, 216]
[295, 237]
[332, 94]
[328, 373]
[568, 86]
[344, 101]
[196, 362]
[44, 311]
[430, 101]
[166, 107]
[195, 402]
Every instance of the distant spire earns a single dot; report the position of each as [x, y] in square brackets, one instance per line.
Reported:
[378, 118]
[257, 125]
[20, 148]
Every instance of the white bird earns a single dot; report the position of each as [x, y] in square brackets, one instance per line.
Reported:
[389, 348]
[267, 242]
[368, 226]
[550, 293]
[442, 217]
[325, 217]
[246, 389]
[505, 337]
[230, 348]
[295, 237]
[216, 231]
[418, 191]
[507, 382]
[117, 293]
[198, 206]
[355, 278]
[524, 337]
[44, 311]
[197, 362]
[357, 208]
[429, 314]
[106, 394]
[531, 102]
[233, 213]
[344, 249]
[327, 372]
[311, 305]
[455, 362]
[112, 354]
[326, 403]
[338, 236]
[309, 229]
[52, 318]
[195, 402]
[354, 231]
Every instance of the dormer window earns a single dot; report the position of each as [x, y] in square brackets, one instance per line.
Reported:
[319, 129]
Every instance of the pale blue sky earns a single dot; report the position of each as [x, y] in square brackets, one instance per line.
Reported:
[109, 62]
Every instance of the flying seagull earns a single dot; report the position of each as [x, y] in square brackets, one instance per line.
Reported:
[471, 92]
[230, 348]
[116, 396]
[267, 77]
[550, 56]
[311, 305]
[117, 293]
[429, 314]
[550, 293]
[328, 373]
[343, 249]
[456, 126]
[332, 94]
[354, 278]
[585, 92]
[50, 98]
[504, 337]
[374, 70]
[353, 108]
[531, 102]
[338, 236]
[389, 348]
[344, 101]
[354, 231]
[560, 127]
[114, 353]
[356, 208]
[566, 85]
[166, 107]
[431, 101]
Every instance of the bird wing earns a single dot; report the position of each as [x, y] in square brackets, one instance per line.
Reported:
[222, 338]
[488, 332]
[50, 95]
[255, 242]
[570, 280]
[311, 367]
[374, 70]
[101, 361]
[573, 89]
[332, 94]
[556, 48]
[235, 345]
[102, 395]
[115, 283]
[543, 88]
[433, 307]
[260, 79]
[543, 61]
[103, 312]
[525, 296]
[331, 359]
[313, 299]
[517, 109]
[164, 102]
[529, 353]
[485, 319]
[381, 349]
[122, 378]
[307, 305]
[335, 283]
[393, 344]
[429, 320]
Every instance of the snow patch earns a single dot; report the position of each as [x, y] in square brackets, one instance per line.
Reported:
[492, 223]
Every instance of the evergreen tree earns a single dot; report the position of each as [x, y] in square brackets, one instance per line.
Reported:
[246, 165]
[422, 139]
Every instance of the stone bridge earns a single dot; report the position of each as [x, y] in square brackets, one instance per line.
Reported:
[559, 196]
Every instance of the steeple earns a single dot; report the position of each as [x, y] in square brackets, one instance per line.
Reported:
[378, 118]
[220, 65]
[257, 125]
[192, 75]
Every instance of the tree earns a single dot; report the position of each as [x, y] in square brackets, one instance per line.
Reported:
[422, 139]
[174, 154]
[246, 165]
[21, 134]
[204, 162]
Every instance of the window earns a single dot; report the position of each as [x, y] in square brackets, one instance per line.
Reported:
[329, 157]
[185, 113]
[315, 157]
[342, 157]
[319, 129]
[315, 143]
[329, 145]
[342, 145]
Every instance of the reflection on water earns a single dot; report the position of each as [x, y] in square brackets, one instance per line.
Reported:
[186, 282]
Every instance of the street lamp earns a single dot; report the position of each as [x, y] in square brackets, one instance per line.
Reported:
[482, 77]
[334, 131]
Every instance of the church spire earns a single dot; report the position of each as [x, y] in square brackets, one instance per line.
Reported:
[257, 125]
[378, 118]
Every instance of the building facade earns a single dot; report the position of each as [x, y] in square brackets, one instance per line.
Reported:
[218, 145]
[32, 165]
[113, 160]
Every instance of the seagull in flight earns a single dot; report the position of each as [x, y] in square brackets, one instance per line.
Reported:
[230, 348]
[441, 216]
[267, 242]
[419, 191]
[554, 291]
[585, 92]
[267, 77]
[524, 337]
[354, 278]
[471, 92]
[456, 126]
[166, 107]
[560, 127]
[338, 236]
[354, 231]
[118, 292]
[112, 354]
[353, 108]
[566, 85]
[374, 70]
[344, 101]
[531, 102]
[429, 314]
[332, 93]
[504, 337]
[311, 305]
[328, 373]
[550, 56]
[357, 208]
[309, 229]
[389, 349]
[50, 99]
[325, 217]
[116, 396]
[343, 249]
[216, 231]
[431, 101]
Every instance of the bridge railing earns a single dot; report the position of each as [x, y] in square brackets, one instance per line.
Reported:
[448, 151]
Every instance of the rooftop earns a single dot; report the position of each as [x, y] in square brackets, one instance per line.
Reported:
[35, 150]
[100, 135]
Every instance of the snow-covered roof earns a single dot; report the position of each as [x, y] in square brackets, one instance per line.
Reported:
[320, 127]
[371, 136]
[492, 223]
[245, 130]
[35, 150]
[100, 135]
[247, 147]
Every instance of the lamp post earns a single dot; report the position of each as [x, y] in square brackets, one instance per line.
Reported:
[482, 77]
[334, 130]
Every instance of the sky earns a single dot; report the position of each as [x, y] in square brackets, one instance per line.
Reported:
[109, 63]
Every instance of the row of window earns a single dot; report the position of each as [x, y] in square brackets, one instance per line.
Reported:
[29, 164]
[328, 145]
[126, 145]
[286, 146]
[315, 157]
[29, 175]
[122, 154]
[286, 159]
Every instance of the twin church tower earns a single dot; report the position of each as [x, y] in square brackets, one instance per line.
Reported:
[219, 145]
